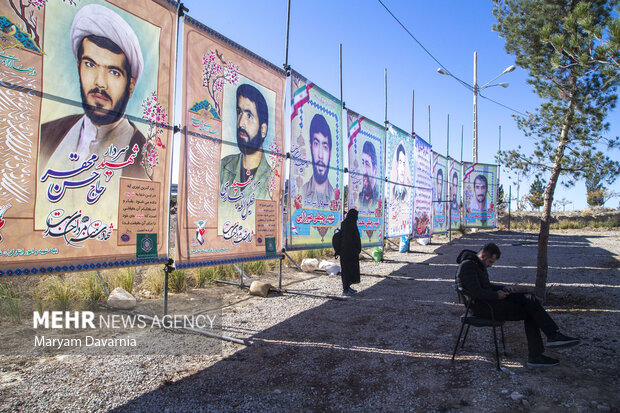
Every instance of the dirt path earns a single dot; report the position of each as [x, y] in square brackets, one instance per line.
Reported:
[387, 348]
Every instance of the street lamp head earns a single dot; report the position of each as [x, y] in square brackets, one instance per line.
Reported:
[509, 69]
[442, 72]
[504, 85]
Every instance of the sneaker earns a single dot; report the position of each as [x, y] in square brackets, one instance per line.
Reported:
[541, 361]
[560, 340]
[352, 290]
[348, 292]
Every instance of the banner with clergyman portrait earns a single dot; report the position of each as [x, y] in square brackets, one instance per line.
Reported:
[230, 186]
[315, 179]
[86, 91]
[423, 195]
[480, 195]
[366, 143]
[399, 165]
[454, 177]
[440, 193]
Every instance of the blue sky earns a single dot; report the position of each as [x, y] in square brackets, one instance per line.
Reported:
[372, 41]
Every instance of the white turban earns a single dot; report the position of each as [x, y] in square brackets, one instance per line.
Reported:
[103, 22]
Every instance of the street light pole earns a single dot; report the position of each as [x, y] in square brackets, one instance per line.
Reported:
[475, 138]
[476, 90]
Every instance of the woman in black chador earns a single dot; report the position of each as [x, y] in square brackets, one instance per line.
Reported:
[351, 248]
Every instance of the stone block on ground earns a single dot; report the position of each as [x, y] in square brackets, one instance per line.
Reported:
[260, 288]
[121, 299]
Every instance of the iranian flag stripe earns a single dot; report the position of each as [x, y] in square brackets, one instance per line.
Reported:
[355, 128]
[469, 170]
[300, 97]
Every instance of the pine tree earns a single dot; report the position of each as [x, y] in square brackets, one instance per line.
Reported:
[570, 49]
[537, 192]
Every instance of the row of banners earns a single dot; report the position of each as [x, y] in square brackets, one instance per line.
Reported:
[85, 102]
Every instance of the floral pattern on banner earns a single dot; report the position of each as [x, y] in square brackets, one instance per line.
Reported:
[156, 115]
[215, 74]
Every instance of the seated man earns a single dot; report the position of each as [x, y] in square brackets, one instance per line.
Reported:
[507, 305]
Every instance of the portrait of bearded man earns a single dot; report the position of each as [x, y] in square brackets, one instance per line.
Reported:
[251, 130]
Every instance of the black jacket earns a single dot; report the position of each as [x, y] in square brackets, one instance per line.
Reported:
[473, 277]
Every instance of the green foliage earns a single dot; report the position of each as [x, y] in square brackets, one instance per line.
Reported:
[91, 289]
[124, 278]
[501, 203]
[10, 302]
[537, 192]
[59, 292]
[598, 171]
[559, 43]
[571, 68]
[177, 281]
[154, 282]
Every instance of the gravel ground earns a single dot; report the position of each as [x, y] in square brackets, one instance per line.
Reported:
[387, 348]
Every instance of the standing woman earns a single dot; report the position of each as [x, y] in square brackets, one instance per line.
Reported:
[350, 248]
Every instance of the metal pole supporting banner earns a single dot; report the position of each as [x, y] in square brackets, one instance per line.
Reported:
[288, 22]
[385, 178]
[447, 180]
[412, 112]
[462, 128]
[448, 138]
[475, 139]
[429, 124]
[386, 94]
[509, 202]
[280, 273]
[181, 9]
[241, 276]
[346, 170]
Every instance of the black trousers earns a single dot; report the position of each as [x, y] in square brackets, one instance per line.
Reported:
[522, 306]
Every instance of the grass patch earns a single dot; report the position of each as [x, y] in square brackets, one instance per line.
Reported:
[59, 291]
[154, 282]
[177, 281]
[90, 289]
[9, 303]
[209, 275]
[125, 279]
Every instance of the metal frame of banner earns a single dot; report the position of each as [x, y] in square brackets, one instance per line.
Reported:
[385, 204]
[169, 266]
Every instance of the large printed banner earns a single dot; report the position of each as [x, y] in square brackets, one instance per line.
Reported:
[480, 195]
[86, 91]
[454, 176]
[422, 203]
[366, 148]
[230, 186]
[316, 165]
[399, 165]
[440, 193]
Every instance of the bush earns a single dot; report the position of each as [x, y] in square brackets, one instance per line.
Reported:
[177, 281]
[125, 279]
[91, 289]
[208, 275]
[59, 291]
[9, 303]
[154, 282]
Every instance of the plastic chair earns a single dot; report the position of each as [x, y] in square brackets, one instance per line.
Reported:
[468, 319]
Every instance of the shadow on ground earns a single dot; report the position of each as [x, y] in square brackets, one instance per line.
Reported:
[389, 347]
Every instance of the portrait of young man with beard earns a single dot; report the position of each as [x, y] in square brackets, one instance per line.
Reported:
[369, 195]
[109, 64]
[252, 128]
[318, 191]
